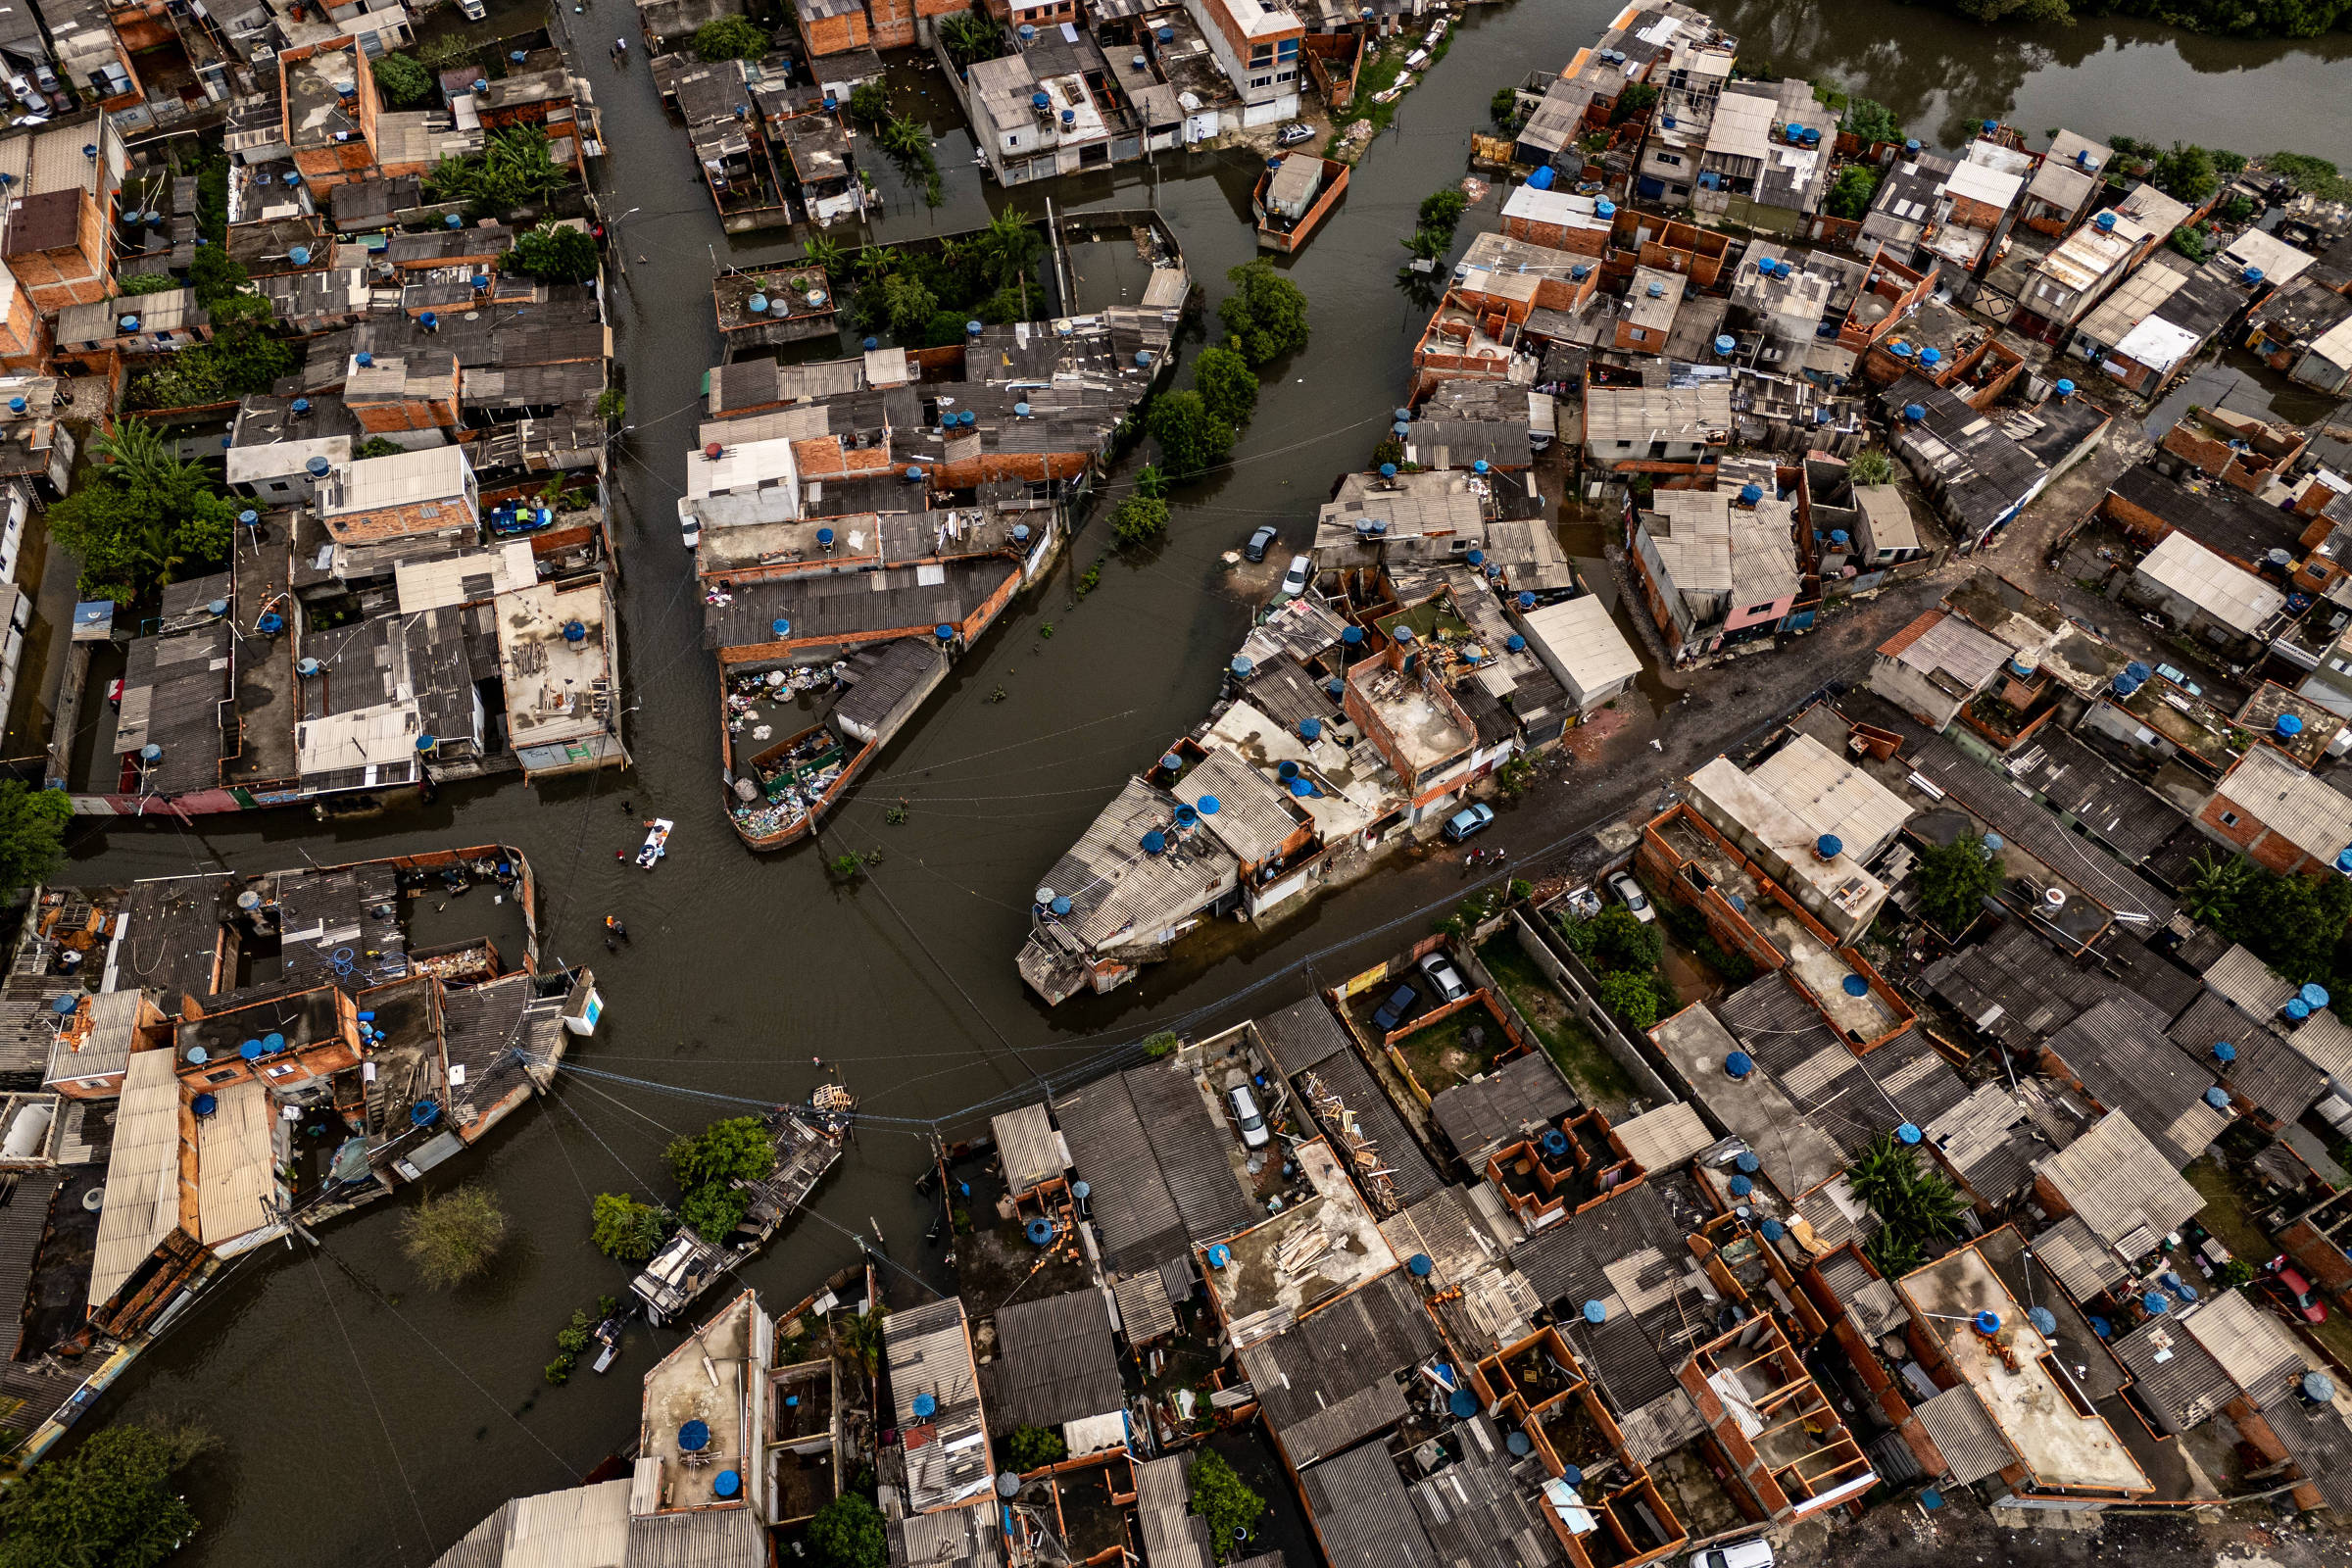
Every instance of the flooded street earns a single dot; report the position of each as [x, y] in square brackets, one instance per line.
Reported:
[428, 1407]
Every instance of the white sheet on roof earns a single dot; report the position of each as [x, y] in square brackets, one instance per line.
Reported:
[2157, 344]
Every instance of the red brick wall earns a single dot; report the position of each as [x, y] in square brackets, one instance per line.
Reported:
[830, 36]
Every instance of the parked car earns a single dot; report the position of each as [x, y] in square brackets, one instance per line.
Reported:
[2181, 679]
[2288, 1287]
[1630, 893]
[472, 10]
[1402, 1004]
[1260, 542]
[1473, 818]
[1444, 978]
[1739, 1554]
[1246, 1113]
[1294, 580]
[1292, 134]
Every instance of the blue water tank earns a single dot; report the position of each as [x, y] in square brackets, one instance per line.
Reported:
[1751, 494]
[1725, 343]
[1738, 1065]
[1907, 1133]
[1156, 843]
[1901, 351]
[1986, 1322]
[1514, 642]
[1746, 1163]
[61, 1006]
[2298, 1008]
[1476, 558]
[1286, 770]
[824, 536]
[1333, 686]
[365, 359]
[1038, 100]
[1041, 1231]
[204, 1105]
[2066, 388]
[1171, 761]
[1310, 728]
[250, 1050]
[2218, 1098]
[2315, 996]
[872, 343]
[1400, 428]
[1300, 787]
[2250, 276]
[1742, 1186]
[2105, 222]
[1596, 1313]
[1219, 1256]
[2224, 1051]
[424, 1113]
[780, 628]
[1839, 536]
[1480, 466]
[1828, 846]
[1553, 1141]
[2288, 726]
[1931, 355]
[1541, 179]
[1527, 600]
[299, 256]
[1462, 1403]
[1605, 208]
[2137, 670]
[1242, 666]
[2045, 1321]
[944, 631]
[1387, 471]
[1520, 1445]
[2155, 1304]
[923, 1405]
[1021, 410]
[1210, 806]
[318, 467]
[1856, 986]
[1915, 412]
[575, 631]
[1419, 1266]
[758, 304]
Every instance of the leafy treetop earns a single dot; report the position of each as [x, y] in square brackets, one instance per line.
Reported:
[1266, 313]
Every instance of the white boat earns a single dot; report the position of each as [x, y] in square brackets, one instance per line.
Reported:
[657, 843]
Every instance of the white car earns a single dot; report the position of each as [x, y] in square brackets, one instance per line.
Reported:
[1246, 1112]
[1739, 1554]
[1444, 978]
[1630, 891]
[1294, 580]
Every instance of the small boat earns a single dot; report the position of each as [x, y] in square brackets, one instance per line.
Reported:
[608, 1335]
[656, 842]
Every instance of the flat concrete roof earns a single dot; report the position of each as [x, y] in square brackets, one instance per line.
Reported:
[1796, 1155]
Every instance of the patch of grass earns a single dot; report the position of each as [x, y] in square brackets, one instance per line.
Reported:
[1442, 1055]
[1597, 1078]
[2225, 1212]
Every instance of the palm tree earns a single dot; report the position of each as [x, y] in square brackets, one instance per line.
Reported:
[861, 1337]
[902, 137]
[823, 252]
[2214, 886]
[1008, 247]
[874, 264]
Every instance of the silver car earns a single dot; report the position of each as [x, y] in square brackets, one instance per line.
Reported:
[1630, 891]
[1444, 978]
[1294, 580]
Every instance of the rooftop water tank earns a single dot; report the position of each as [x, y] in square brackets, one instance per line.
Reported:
[316, 467]
[1839, 536]
[1986, 1322]
[1742, 1186]
[871, 344]
[1241, 666]
[1828, 846]
[1725, 343]
[756, 304]
[1900, 350]
[1751, 494]
[1387, 471]
[1419, 1266]
[944, 631]
[1658, 291]
[2066, 388]
[1462, 1404]
[2105, 222]
[365, 360]
[2296, 1009]
[299, 254]
[574, 632]
[1310, 728]
[1479, 466]
[923, 1406]
[2045, 1321]
[2315, 996]
[1737, 1064]
[1514, 642]
[2288, 726]
[1855, 986]
[1156, 841]
[1931, 355]
[2218, 1099]
[2318, 1387]
[1605, 208]
[1915, 412]
[131, 323]
[1210, 806]
[1596, 1312]
[1908, 1132]
[2250, 276]
[914, 472]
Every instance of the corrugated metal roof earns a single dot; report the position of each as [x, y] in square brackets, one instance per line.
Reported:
[1028, 1145]
[2257, 1350]
[696, 1538]
[1527, 1091]
[2179, 1383]
[2080, 1262]
[2228, 594]
[2123, 1059]
[1331, 1379]
[1662, 1139]
[1144, 1310]
[2118, 1180]
[1475, 1511]
[142, 1175]
[1173, 1536]
[2248, 982]
[1254, 816]
[2266, 1071]
[1134, 1216]
[1191, 1145]
[1363, 1514]
[1963, 1432]
[1055, 1362]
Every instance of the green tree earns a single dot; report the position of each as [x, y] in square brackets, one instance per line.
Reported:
[1223, 1500]
[1634, 101]
[737, 1149]
[870, 102]
[1872, 121]
[2186, 172]
[945, 330]
[626, 1229]
[402, 80]
[1871, 467]
[141, 518]
[908, 304]
[553, 253]
[216, 276]
[513, 170]
[712, 1210]
[860, 1334]
[146, 283]
[1444, 209]
[2214, 884]
[1851, 193]
[1954, 881]
[2313, 177]
[32, 834]
[1150, 483]
[1266, 313]
[1008, 248]
[2190, 243]
[110, 1503]
[972, 37]
[1629, 996]
[1226, 384]
[376, 446]
[1917, 1207]
[1503, 107]
[2045, 12]
[730, 38]
[454, 1236]
[1035, 1448]
[1618, 938]
[1164, 1044]
[823, 252]
[1138, 520]
[611, 405]
[1191, 439]
[847, 1533]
